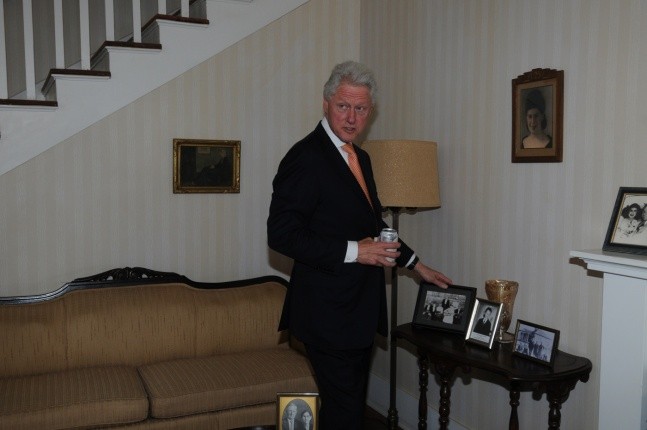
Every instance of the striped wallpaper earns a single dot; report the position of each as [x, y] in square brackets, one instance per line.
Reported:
[103, 198]
[446, 68]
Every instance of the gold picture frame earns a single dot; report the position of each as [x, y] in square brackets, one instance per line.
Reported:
[206, 166]
[537, 116]
[301, 407]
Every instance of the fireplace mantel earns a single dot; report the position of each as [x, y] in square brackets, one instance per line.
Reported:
[623, 353]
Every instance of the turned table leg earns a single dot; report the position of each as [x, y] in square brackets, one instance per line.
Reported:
[514, 403]
[557, 393]
[423, 381]
[445, 373]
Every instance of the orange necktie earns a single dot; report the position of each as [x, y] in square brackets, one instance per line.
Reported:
[356, 169]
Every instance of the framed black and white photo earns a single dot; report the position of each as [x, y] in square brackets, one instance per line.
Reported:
[537, 116]
[484, 322]
[444, 309]
[535, 342]
[627, 230]
[206, 166]
[301, 408]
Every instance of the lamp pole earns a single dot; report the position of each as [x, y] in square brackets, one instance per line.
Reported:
[393, 411]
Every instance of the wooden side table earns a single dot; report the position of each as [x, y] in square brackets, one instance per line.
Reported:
[448, 351]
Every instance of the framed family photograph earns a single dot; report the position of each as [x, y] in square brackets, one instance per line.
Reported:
[444, 309]
[537, 116]
[484, 322]
[206, 166]
[297, 411]
[627, 230]
[535, 342]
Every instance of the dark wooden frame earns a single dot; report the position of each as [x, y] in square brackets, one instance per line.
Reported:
[199, 166]
[549, 82]
[428, 292]
[635, 242]
[129, 276]
[303, 401]
[480, 305]
[521, 341]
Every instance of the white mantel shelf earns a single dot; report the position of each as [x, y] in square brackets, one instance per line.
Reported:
[623, 355]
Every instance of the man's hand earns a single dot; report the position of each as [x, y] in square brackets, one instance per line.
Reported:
[432, 276]
[375, 253]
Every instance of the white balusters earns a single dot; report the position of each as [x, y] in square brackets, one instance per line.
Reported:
[161, 7]
[185, 8]
[28, 32]
[110, 20]
[59, 44]
[137, 21]
[84, 22]
[3, 56]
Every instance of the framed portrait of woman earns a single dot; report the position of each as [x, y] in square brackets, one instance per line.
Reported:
[627, 231]
[537, 116]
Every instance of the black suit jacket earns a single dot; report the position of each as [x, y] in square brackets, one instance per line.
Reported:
[317, 206]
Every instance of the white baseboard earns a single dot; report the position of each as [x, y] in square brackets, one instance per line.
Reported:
[407, 405]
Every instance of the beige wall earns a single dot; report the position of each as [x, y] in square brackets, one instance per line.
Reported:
[103, 199]
[446, 67]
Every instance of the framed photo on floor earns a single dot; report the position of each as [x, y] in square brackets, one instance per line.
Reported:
[627, 230]
[537, 116]
[302, 408]
[444, 309]
[535, 342]
[206, 166]
[484, 322]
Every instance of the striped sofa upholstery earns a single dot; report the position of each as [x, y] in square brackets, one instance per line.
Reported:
[133, 348]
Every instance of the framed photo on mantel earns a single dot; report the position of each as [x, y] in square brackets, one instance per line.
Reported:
[627, 230]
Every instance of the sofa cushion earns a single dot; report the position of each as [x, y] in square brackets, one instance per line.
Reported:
[191, 386]
[77, 398]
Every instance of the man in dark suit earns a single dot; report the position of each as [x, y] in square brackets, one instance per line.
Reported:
[484, 325]
[321, 217]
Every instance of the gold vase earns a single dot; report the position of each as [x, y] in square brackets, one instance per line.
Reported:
[501, 291]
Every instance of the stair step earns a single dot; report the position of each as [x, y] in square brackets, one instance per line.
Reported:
[37, 104]
[100, 61]
[48, 85]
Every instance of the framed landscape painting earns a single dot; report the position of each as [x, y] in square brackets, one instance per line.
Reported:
[206, 166]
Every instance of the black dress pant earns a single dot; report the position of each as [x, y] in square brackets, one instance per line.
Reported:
[342, 378]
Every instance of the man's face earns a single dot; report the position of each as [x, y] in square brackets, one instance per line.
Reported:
[348, 111]
[292, 412]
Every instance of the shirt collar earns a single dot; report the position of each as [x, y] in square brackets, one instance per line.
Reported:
[337, 141]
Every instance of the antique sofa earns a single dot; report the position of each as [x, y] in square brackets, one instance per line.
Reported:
[139, 349]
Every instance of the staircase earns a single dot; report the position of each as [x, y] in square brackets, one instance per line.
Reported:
[120, 71]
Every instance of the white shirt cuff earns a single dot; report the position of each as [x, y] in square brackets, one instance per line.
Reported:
[352, 251]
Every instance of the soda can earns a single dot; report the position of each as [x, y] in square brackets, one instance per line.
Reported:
[389, 235]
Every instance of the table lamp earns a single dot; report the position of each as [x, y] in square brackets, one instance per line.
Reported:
[406, 175]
